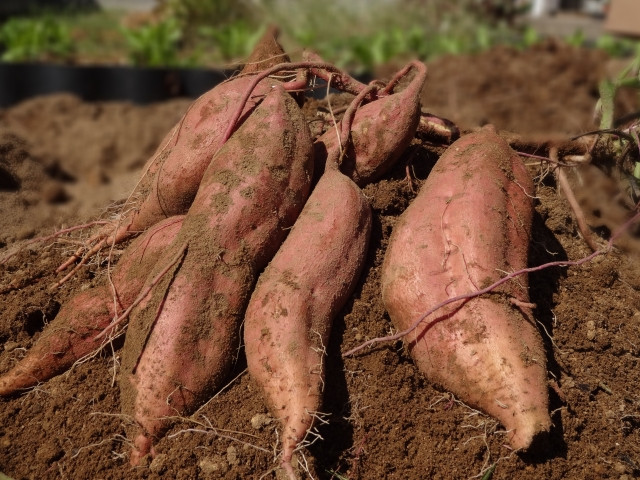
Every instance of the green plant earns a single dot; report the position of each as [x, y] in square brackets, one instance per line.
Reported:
[618, 47]
[233, 41]
[488, 474]
[155, 44]
[391, 32]
[192, 14]
[529, 37]
[629, 78]
[576, 39]
[367, 51]
[625, 140]
[25, 39]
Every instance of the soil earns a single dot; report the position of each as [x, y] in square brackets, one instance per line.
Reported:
[64, 162]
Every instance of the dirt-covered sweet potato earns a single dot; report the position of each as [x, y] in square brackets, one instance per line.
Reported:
[289, 317]
[183, 339]
[172, 175]
[72, 333]
[470, 225]
[380, 133]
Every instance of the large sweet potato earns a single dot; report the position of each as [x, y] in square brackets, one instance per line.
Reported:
[469, 225]
[182, 340]
[381, 131]
[173, 173]
[290, 313]
[72, 334]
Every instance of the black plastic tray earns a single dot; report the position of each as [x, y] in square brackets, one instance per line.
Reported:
[19, 81]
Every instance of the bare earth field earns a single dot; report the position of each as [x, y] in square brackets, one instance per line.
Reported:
[64, 162]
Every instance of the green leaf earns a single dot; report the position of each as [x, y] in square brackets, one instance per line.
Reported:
[29, 39]
[235, 40]
[154, 45]
[489, 473]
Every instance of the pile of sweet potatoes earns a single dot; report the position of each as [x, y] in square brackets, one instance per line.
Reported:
[252, 233]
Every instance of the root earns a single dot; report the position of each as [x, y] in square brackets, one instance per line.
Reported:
[78, 266]
[207, 428]
[333, 117]
[541, 148]
[221, 390]
[110, 332]
[388, 89]
[48, 238]
[304, 465]
[116, 438]
[409, 175]
[145, 291]
[297, 455]
[563, 182]
[349, 115]
[475, 420]
[333, 75]
[312, 435]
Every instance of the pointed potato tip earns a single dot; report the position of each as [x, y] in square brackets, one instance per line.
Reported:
[142, 446]
[527, 436]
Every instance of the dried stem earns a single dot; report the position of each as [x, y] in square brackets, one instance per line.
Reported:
[563, 182]
[336, 77]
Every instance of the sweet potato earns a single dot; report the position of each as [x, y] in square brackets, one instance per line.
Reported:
[381, 131]
[173, 173]
[72, 334]
[182, 340]
[289, 317]
[469, 224]
[266, 53]
[187, 150]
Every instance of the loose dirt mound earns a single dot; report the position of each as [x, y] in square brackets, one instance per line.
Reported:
[62, 162]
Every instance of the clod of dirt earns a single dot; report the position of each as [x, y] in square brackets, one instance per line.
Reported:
[158, 464]
[213, 465]
[54, 192]
[261, 420]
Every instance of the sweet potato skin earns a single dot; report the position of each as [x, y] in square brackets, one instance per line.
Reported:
[174, 172]
[71, 335]
[469, 224]
[183, 341]
[289, 317]
[381, 131]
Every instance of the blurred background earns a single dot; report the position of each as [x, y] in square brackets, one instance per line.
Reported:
[354, 34]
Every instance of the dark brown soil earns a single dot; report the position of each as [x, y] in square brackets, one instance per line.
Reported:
[62, 162]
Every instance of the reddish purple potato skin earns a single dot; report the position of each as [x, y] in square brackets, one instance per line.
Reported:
[469, 224]
[380, 133]
[173, 174]
[71, 335]
[289, 317]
